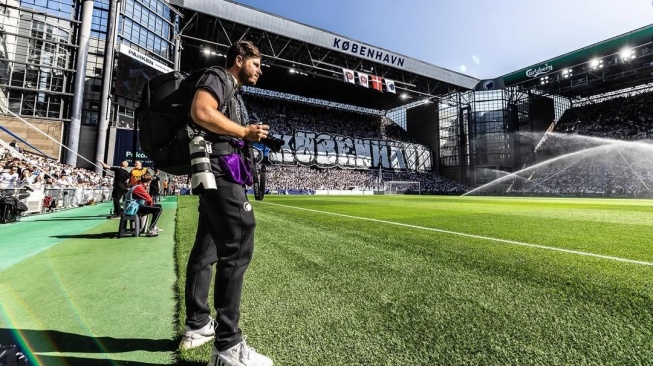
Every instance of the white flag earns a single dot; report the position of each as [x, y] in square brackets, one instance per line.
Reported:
[348, 76]
[390, 86]
[363, 79]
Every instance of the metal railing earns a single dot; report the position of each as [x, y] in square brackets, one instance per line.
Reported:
[64, 197]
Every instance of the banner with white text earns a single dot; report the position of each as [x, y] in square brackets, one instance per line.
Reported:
[332, 150]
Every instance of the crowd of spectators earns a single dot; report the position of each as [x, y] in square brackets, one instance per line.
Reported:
[626, 117]
[284, 118]
[603, 174]
[287, 116]
[38, 171]
[302, 178]
[178, 183]
[429, 182]
[598, 138]
[596, 149]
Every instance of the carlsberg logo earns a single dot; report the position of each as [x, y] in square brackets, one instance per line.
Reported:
[533, 73]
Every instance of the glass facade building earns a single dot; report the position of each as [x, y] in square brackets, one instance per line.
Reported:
[487, 134]
[38, 48]
[146, 27]
[36, 53]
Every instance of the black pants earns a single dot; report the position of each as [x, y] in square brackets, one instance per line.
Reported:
[116, 196]
[155, 210]
[225, 235]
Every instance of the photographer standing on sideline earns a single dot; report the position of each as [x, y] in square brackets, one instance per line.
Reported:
[225, 232]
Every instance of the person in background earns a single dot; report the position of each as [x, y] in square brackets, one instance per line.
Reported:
[14, 145]
[10, 178]
[155, 187]
[140, 192]
[26, 177]
[14, 163]
[136, 173]
[165, 187]
[120, 179]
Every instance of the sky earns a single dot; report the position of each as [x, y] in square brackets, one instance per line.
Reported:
[481, 38]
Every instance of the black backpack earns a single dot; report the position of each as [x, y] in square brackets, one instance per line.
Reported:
[164, 123]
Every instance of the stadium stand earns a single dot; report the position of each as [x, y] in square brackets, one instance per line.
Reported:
[51, 184]
[624, 117]
[286, 116]
[608, 155]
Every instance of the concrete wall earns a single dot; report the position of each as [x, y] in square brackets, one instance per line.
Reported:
[19, 128]
[87, 146]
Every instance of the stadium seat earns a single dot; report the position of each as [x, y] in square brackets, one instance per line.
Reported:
[131, 225]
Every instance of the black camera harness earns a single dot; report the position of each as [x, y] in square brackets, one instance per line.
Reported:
[222, 148]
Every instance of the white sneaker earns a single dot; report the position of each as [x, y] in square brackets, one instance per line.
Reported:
[197, 337]
[157, 229]
[239, 355]
[152, 232]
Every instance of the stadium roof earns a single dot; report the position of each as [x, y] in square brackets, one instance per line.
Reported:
[306, 61]
[617, 63]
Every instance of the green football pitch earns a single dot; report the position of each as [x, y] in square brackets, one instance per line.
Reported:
[348, 280]
[431, 280]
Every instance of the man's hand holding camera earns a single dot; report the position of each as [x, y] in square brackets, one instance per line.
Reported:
[261, 133]
[256, 132]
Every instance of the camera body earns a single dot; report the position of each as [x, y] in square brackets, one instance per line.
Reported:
[273, 143]
[202, 178]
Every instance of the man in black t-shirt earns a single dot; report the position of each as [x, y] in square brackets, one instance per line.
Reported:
[120, 179]
[155, 186]
[225, 232]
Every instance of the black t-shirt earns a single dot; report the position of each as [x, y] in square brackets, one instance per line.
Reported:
[221, 84]
[120, 178]
[154, 186]
[215, 81]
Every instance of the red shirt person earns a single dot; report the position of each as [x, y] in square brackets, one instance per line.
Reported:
[140, 192]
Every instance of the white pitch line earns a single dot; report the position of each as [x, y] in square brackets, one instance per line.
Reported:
[577, 252]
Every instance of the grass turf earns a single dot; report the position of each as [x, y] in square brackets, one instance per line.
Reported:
[342, 290]
[91, 299]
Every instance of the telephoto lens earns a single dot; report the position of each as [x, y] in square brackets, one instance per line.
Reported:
[202, 178]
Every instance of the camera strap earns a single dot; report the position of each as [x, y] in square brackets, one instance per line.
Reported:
[259, 192]
[222, 148]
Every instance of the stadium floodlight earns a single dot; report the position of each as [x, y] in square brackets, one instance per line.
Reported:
[596, 64]
[566, 73]
[206, 51]
[627, 54]
[404, 96]
[292, 70]
[544, 80]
